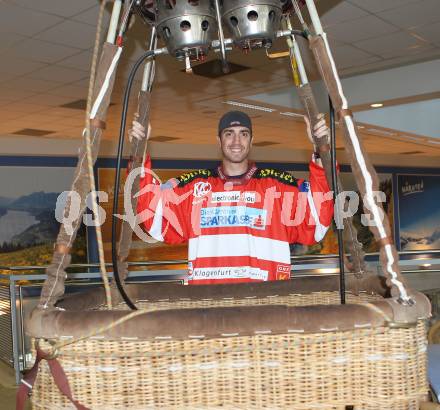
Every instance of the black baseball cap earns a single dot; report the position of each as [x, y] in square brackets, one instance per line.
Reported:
[234, 119]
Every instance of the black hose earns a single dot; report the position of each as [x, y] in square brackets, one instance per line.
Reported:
[335, 193]
[133, 71]
[305, 34]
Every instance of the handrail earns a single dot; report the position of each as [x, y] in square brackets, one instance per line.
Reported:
[296, 258]
[95, 265]
[14, 277]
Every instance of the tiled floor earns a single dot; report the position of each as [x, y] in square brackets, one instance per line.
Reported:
[7, 398]
[7, 387]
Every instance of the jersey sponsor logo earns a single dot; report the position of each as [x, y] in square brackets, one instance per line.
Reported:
[234, 196]
[185, 179]
[283, 272]
[281, 176]
[201, 189]
[283, 268]
[229, 216]
[229, 272]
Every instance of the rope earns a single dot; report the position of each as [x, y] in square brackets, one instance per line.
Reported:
[98, 331]
[298, 12]
[378, 310]
[104, 276]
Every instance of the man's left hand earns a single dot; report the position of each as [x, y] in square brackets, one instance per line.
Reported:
[320, 131]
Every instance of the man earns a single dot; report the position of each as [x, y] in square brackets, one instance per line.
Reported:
[238, 219]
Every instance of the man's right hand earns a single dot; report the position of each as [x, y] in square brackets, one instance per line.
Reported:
[138, 131]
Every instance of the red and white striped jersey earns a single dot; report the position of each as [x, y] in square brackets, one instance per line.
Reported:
[237, 229]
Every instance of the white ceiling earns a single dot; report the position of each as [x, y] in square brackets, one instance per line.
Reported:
[45, 56]
[378, 33]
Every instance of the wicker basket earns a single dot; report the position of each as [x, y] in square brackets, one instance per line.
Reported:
[266, 346]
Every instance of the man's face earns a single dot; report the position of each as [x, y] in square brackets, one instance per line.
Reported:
[235, 143]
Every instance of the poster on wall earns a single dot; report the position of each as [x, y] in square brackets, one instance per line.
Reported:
[329, 245]
[28, 227]
[419, 212]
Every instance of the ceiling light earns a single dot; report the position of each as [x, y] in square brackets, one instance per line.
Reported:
[407, 137]
[418, 38]
[433, 142]
[381, 132]
[250, 106]
[291, 114]
[376, 105]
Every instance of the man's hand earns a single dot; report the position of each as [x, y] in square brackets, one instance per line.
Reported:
[138, 131]
[320, 131]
